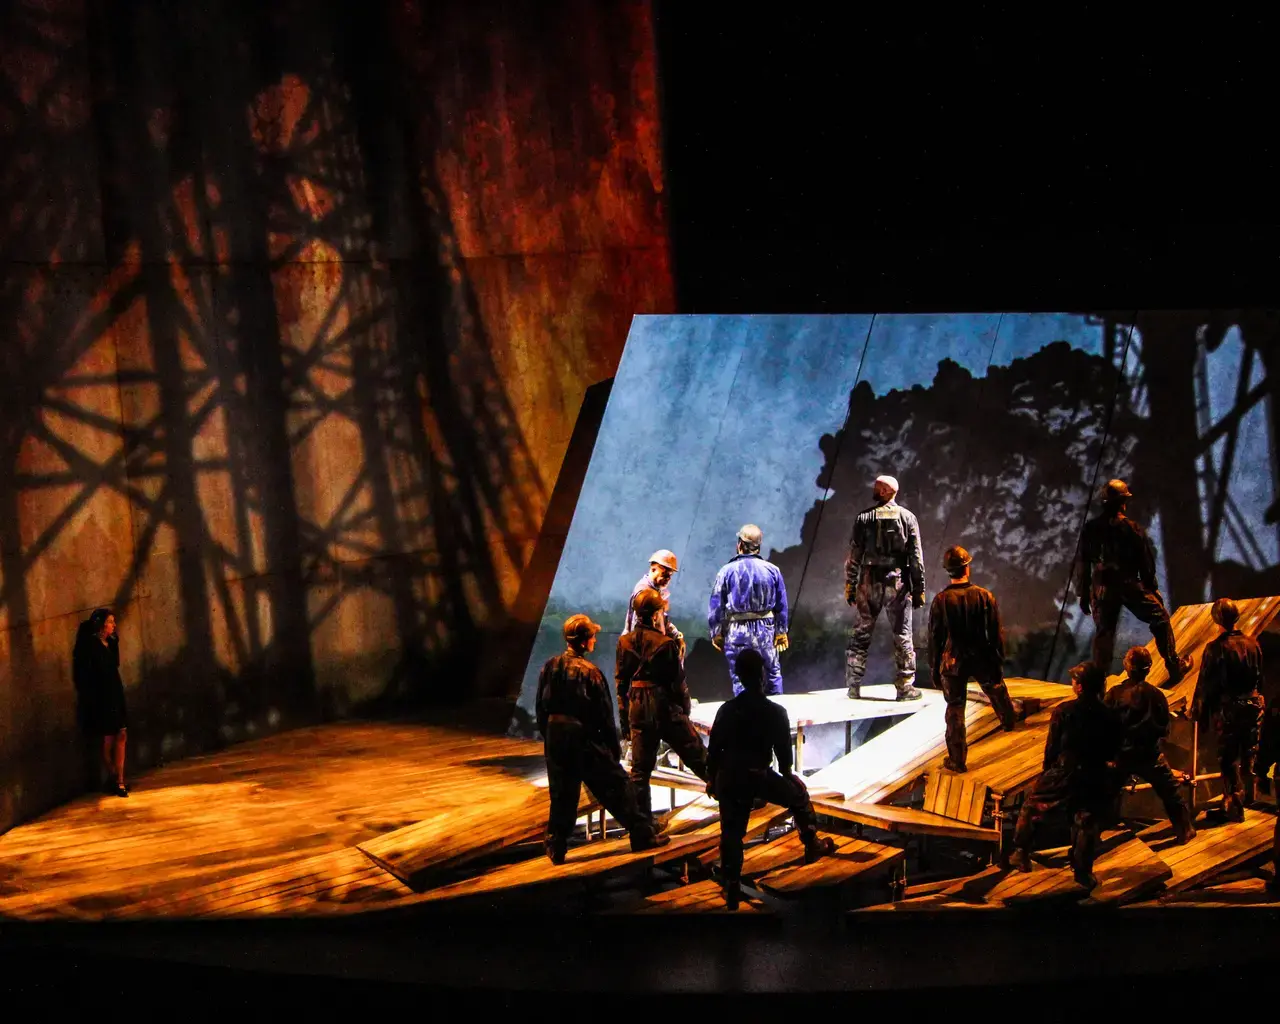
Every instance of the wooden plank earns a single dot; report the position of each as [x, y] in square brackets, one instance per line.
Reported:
[454, 836]
[853, 858]
[1125, 868]
[705, 898]
[961, 797]
[1248, 892]
[592, 860]
[830, 707]
[1216, 849]
[892, 818]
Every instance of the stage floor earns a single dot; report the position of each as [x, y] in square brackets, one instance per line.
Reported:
[294, 804]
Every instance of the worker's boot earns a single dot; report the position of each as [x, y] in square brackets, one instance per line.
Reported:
[1020, 860]
[732, 894]
[818, 847]
[1183, 829]
[648, 840]
[909, 692]
[555, 850]
[854, 692]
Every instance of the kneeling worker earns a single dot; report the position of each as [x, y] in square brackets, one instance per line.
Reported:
[1080, 756]
[1144, 714]
[580, 740]
[749, 731]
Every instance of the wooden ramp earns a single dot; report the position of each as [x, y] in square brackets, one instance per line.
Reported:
[1216, 849]
[1009, 762]
[1246, 892]
[892, 818]
[853, 858]
[768, 856]
[453, 837]
[1126, 870]
[330, 882]
[702, 899]
[1193, 627]
[594, 860]
[900, 757]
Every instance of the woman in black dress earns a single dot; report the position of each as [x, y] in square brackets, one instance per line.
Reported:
[96, 669]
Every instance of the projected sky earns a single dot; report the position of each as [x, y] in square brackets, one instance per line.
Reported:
[998, 427]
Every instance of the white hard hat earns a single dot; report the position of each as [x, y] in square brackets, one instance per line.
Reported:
[888, 481]
[665, 558]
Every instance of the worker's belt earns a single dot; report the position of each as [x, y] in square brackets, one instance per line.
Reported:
[875, 563]
[749, 616]
[564, 719]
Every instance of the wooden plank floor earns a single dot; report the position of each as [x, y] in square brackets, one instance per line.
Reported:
[276, 803]
[892, 818]
[451, 837]
[596, 860]
[852, 859]
[1216, 849]
[705, 898]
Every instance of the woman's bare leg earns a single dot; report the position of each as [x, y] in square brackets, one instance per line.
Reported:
[121, 737]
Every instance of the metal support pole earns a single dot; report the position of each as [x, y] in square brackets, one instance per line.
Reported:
[799, 749]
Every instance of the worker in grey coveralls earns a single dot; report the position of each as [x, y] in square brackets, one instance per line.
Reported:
[884, 571]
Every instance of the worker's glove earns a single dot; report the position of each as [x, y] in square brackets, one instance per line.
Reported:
[850, 594]
[917, 600]
[718, 643]
[781, 642]
[1085, 606]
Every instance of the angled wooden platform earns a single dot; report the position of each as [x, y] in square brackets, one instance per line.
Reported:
[453, 837]
[701, 899]
[853, 858]
[594, 860]
[1246, 892]
[892, 818]
[900, 757]
[1216, 849]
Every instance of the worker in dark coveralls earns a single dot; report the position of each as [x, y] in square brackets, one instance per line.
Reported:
[1144, 714]
[663, 566]
[653, 698]
[965, 639]
[581, 744]
[748, 610]
[1227, 693]
[1080, 774]
[748, 733]
[1119, 567]
[884, 572]
[1269, 740]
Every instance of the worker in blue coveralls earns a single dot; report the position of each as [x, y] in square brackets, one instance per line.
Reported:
[748, 610]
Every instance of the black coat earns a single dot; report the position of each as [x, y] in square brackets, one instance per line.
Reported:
[95, 669]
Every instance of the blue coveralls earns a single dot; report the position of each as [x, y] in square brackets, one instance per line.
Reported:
[748, 607]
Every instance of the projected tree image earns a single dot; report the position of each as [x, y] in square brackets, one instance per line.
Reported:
[1001, 464]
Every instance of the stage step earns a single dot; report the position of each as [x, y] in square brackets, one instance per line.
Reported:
[892, 818]
[853, 858]
[704, 899]
[1216, 849]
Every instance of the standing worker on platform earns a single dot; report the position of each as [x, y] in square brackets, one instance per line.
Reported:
[748, 610]
[1227, 691]
[1144, 715]
[581, 744]
[965, 639]
[749, 731]
[884, 570]
[1119, 571]
[1079, 774]
[653, 699]
[663, 565]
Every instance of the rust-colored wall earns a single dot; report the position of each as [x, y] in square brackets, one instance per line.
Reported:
[298, 308]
